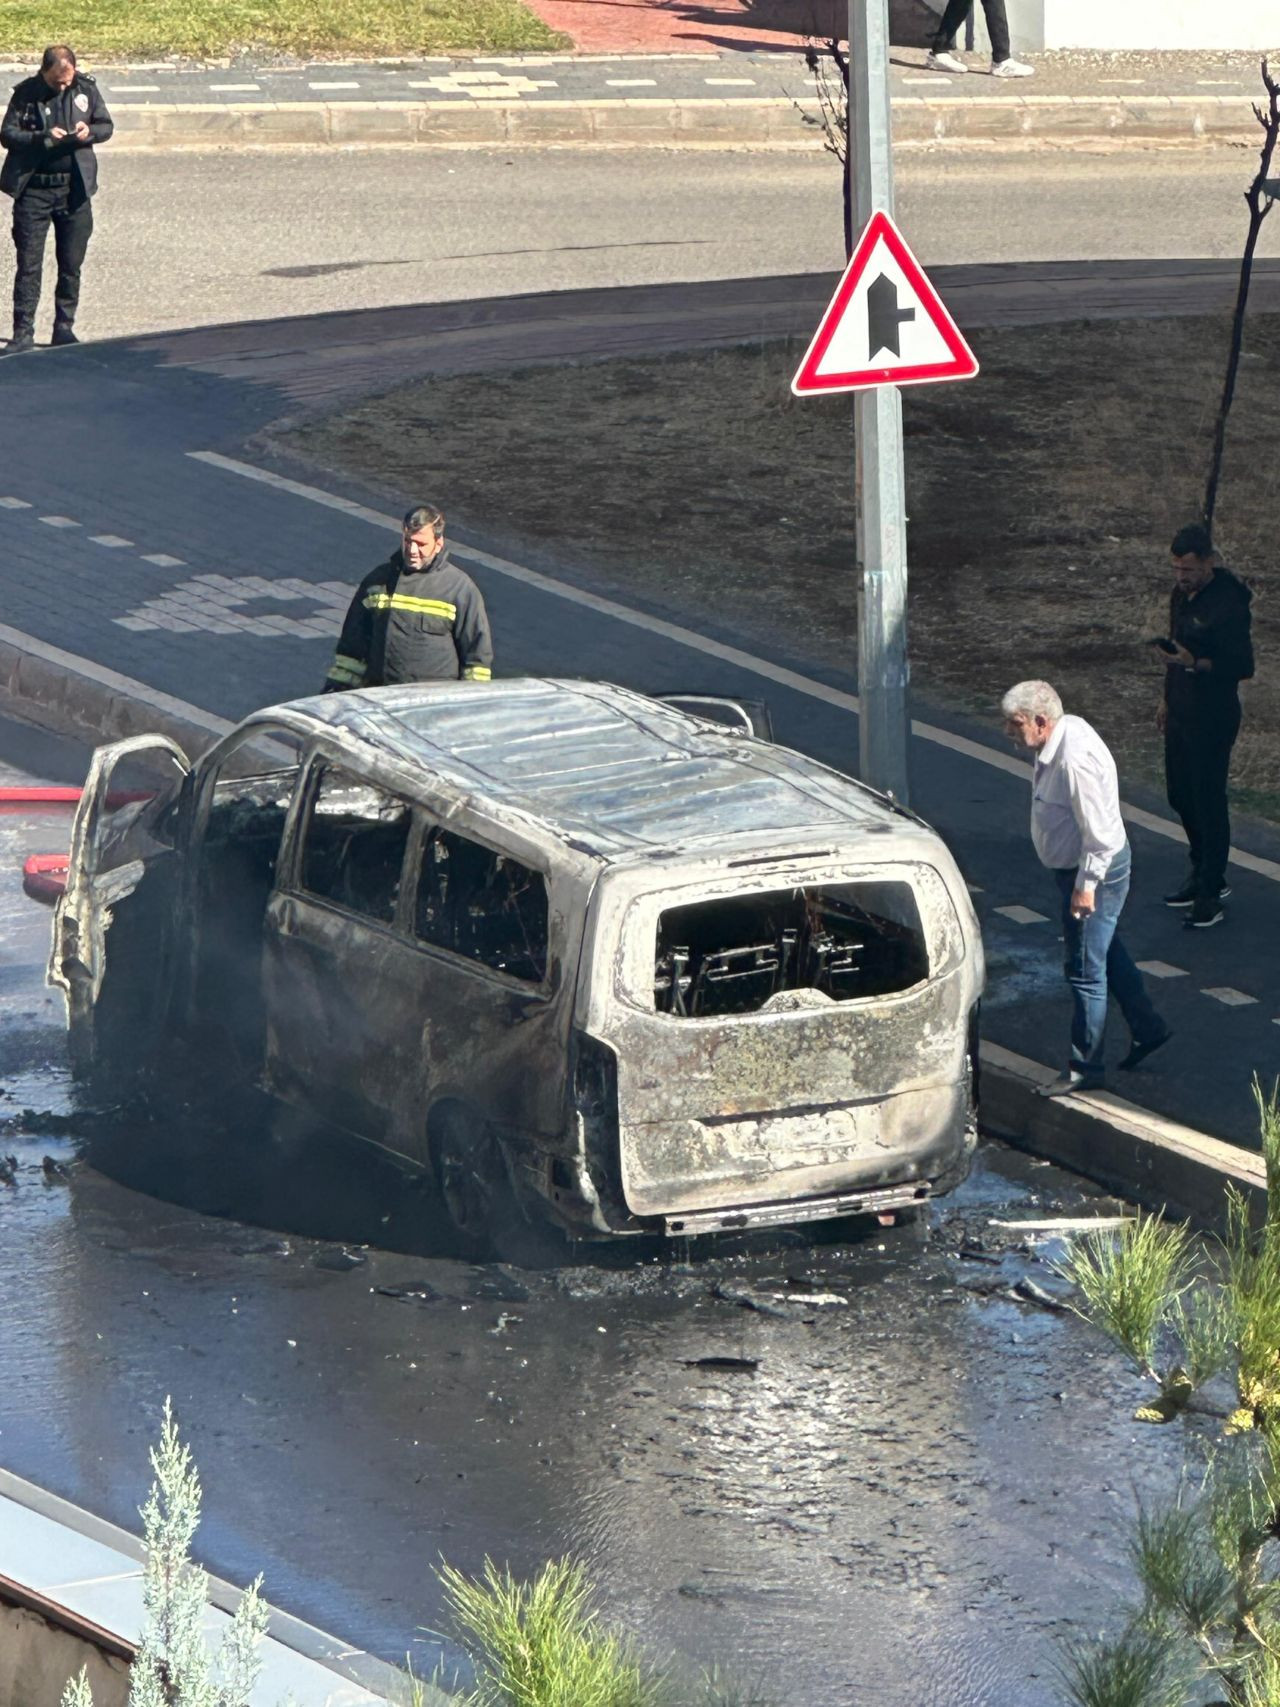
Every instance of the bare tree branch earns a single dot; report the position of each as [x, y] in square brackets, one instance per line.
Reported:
[1260, 204]
[829, 67]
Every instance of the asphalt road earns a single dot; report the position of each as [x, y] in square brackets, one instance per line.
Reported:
[922, 1486]
[192, 239]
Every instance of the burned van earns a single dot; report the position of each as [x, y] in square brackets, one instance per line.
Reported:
[576, 953]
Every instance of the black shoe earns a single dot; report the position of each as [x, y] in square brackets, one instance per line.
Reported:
[1186, 896]
[63, 335]
[1138, 1052]
[1204, 913]
[21, 341]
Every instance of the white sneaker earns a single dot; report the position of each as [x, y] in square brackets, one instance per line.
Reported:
[946, 62]
[1012, 68]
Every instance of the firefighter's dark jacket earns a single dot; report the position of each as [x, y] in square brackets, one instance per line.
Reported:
[28, 145]
[1215, 624]
[449, 627]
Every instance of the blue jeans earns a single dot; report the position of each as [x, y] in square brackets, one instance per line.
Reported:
[1097, 962]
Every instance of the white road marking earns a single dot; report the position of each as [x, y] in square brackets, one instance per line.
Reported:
[1230, 998]
[992, 756]
[975, 889]
[59, 522]
[14, 504]
[1023, 915]
[1132, 82]
[1161, 969]
[162, 560]
[631, 82]
[210, 602]
[112, 541]
[482, 85]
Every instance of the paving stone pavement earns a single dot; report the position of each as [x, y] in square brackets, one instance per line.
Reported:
[709, 90]
[226, 593]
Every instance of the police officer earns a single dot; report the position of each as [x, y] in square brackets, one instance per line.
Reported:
[50, 127]
[415, 618]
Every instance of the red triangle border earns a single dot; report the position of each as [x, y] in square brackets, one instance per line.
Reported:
[963, 364]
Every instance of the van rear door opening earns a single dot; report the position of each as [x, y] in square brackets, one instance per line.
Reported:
[733, 954]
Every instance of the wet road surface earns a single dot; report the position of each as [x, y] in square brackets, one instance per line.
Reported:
[896, 1481]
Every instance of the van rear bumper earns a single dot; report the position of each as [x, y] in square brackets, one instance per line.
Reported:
[877, 1202]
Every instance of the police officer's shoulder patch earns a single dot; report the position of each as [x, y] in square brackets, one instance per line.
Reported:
[81, 103]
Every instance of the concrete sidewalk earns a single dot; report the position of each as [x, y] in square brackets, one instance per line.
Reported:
[749, 97]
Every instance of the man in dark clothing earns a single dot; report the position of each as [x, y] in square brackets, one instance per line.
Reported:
[1208, 654]
[50, 127]
[415, 618]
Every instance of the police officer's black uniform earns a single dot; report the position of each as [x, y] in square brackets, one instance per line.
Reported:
[52, 181]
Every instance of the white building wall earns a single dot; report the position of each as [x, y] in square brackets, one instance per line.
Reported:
[1151, 25]
[1160, 24]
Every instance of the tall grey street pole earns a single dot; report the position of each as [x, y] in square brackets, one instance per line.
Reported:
[883, 733]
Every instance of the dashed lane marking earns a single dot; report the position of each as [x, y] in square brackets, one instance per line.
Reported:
[1230, 998]
[1161, 969]
[59, 522]
[162, 560]
[14, 504]
[1268, 868]
[112, 541]
[1023, 915]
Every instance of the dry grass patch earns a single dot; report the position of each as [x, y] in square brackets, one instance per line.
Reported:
[1042, 499]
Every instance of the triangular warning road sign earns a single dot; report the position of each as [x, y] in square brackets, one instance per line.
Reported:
[886, 324]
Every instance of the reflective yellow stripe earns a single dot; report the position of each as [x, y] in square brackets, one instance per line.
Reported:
[406, 601]
[349, 671]
[477, 673]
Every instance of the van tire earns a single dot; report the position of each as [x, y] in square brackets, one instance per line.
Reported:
[486, 1217]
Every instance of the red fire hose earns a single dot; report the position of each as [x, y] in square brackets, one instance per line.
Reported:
[44, 876]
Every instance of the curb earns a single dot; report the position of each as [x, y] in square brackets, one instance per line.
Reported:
[1123, 1148]
[1098, 1135]
[357, 1676]
[766, 120]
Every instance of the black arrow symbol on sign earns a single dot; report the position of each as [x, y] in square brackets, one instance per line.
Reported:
[884, 316]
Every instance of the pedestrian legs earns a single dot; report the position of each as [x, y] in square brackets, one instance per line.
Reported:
[72, 229]
[32, 213]
[1096, 961]
[1197, 760]
[955, 15]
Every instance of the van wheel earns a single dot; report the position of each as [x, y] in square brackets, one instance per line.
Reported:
[472, 1178]
[488, 1221]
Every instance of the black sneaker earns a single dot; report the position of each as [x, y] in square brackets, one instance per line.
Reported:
[1186, 896]
[63, 335]
[21, 341]
[1204, 913]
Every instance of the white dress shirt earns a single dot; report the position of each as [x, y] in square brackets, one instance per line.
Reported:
[1075, 803]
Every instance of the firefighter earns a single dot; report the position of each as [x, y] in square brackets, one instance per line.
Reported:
[50, 127]
[415, 618]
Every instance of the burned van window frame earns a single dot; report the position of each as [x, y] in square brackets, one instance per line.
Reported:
[470, 936]
[337, 888]
[799, 946]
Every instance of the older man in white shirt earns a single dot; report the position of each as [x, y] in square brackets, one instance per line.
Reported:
[1080, 836]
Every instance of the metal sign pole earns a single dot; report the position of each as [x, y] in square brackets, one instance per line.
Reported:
[883, 732]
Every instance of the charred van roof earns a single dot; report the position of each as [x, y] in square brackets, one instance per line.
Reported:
[605, 769]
